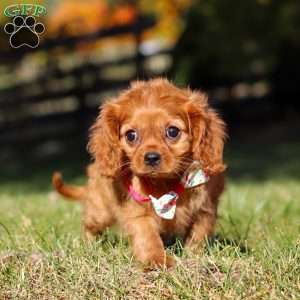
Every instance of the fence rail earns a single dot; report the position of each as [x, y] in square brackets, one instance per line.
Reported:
[25, 108]
[142, 23]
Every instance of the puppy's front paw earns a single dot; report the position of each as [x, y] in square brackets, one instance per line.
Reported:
[158, 262]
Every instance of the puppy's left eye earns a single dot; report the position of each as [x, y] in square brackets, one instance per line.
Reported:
[172, 132]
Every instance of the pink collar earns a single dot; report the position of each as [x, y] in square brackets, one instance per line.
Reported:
[178, 189]
[165, 205]
[192, 177]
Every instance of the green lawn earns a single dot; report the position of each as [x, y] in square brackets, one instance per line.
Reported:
[255, 255]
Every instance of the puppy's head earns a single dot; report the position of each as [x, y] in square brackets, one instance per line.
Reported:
[156, 130]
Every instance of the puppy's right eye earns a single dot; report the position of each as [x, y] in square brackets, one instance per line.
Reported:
[131, 136]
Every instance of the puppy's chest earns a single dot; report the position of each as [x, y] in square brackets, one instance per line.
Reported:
[187, 208]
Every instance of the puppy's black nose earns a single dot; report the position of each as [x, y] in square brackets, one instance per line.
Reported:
[152, 158]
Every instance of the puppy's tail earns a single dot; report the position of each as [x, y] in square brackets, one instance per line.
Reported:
[71, 192]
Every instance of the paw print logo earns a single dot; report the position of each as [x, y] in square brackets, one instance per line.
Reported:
[24, 32]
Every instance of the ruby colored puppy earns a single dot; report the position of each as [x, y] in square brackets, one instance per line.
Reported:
[158, 168]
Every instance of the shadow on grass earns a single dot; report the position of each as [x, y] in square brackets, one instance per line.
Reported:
[176, 244]
[222, 242]
[112, 239]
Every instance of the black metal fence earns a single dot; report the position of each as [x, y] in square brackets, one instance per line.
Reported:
[60, 102]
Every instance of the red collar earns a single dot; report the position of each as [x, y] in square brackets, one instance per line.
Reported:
[192, 177]
[178, 189]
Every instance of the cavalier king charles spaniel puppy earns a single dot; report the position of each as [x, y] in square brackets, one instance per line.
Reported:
[157, 171]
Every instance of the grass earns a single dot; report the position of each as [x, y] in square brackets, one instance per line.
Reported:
[255, 255]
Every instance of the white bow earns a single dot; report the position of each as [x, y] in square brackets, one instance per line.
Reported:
[194, 178]
[165, 206]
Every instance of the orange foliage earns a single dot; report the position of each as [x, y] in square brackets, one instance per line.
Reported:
[169, 18]
[123, 15]
[75, 18]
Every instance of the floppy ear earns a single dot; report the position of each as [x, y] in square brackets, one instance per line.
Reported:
[208, 132]
[104, 140]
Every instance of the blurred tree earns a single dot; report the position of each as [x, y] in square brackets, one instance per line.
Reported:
[69, 17]
[77, 17]
[169, 14]
[229, 40]
[74, 17]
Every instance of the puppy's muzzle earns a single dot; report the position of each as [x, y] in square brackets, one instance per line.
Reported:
[152, 159]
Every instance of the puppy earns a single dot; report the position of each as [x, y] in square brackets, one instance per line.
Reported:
[157, 170]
